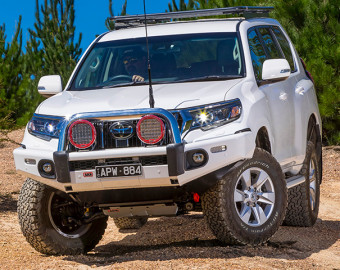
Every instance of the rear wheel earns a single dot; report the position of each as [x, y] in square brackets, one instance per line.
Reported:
[51, 221]
[304, 199]
[130, 222]
[248, 205]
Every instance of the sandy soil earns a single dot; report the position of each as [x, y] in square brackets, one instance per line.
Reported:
[183, 242]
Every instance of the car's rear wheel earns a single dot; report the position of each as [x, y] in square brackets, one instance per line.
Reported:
[130, 222]
[304, 199]
[248, 205]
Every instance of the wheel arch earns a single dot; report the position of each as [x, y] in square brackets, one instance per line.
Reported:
[314, 135]
[262, 139]
[314, 130]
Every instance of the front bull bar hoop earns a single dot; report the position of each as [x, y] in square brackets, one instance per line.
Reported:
[135, 112]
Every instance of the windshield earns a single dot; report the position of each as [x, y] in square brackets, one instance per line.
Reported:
[176, 58]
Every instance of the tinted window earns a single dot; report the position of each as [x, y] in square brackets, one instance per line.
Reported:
[175, 58]
[272, 50]
[257, 53]
[285, 47]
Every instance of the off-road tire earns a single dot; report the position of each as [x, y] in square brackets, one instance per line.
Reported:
[37, 228]
[299, 210]
[130, 222]
[221, 213]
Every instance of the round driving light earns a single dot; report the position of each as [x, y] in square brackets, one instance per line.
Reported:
[47, 167]
[198, 158]
[150, 129]
[82, 134]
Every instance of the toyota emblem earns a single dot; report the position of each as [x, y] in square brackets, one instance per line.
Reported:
[121, 130]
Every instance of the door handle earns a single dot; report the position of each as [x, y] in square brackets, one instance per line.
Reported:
[283, 96]
[300, 90]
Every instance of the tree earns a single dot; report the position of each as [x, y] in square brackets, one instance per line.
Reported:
[51, 44]
[314, 29]
[110, 25]
[182, 6]
[12, 92]
[51, 49]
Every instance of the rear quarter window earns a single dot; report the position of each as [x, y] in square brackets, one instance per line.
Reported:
[284, 44]
[268, 40]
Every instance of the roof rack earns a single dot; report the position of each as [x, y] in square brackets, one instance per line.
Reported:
[134, 20]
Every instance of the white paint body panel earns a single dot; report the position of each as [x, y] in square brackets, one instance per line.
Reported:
[171, 96]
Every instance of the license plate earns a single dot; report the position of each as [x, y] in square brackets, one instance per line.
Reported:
[118, 170]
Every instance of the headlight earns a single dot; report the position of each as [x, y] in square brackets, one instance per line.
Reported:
[215, 115]
[44, 127]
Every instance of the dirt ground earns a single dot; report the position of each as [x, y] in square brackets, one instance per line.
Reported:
[183, 242]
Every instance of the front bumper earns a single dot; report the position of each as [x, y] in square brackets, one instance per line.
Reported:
[174, 172]
[238, 147]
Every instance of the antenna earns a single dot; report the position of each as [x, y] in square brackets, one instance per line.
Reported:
[151, 99]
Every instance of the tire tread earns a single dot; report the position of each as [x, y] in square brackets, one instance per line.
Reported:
[130, 222]
[36, 234]
[213, 204]
[298, 213]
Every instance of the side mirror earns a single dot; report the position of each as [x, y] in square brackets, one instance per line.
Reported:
[275, 70]
[50, 85]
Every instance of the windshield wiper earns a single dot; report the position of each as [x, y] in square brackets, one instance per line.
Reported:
[195, 79]
[212, 78]
[124, 84]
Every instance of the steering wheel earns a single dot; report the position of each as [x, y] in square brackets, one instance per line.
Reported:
[95, 64]
[121, 77]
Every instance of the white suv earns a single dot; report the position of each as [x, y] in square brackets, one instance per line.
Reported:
[234, 132]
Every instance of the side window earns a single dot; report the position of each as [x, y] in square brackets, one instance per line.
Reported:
[285, 47]
[257, 52]
[272, 50]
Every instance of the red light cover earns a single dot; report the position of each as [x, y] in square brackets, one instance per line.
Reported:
[82, 134]
[150, 129]
[196, 197]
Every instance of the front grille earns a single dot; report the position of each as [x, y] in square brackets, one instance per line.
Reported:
[153, 160]
[83, 165]
[105, 140]
[91, 164]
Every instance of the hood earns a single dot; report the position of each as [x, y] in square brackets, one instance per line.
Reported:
[167, 96]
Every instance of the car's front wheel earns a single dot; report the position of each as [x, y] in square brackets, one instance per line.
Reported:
[51, 221]
[248, 205]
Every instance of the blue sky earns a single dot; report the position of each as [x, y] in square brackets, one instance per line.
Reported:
[90, 15]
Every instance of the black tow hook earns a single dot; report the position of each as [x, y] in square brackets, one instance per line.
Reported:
[85, 220]
[93, 217]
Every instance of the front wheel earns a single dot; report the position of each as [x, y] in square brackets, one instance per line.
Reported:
[248, 205]
[50, 221]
